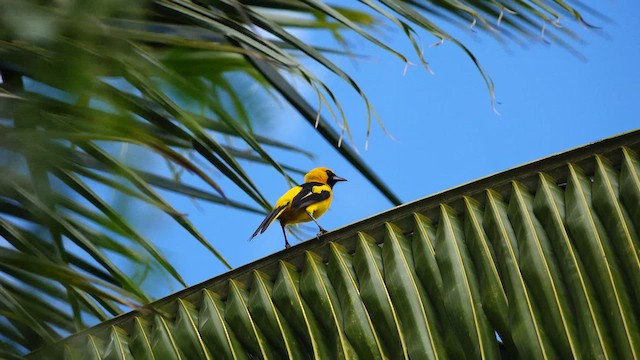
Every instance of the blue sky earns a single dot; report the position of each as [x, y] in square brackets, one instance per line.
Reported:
[446, 131]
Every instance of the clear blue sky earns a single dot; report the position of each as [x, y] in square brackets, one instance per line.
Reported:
[447, 133]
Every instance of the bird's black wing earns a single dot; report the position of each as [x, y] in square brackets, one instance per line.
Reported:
[307, 196]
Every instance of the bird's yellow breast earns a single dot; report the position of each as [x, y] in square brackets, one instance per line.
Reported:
[293, 216]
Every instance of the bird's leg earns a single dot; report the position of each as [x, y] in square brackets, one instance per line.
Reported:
[322, 230]
[284, 232]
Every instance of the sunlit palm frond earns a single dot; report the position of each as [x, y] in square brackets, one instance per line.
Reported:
[540, 261]
[83, 83]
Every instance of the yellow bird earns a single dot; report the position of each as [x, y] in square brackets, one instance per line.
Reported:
[303, 203]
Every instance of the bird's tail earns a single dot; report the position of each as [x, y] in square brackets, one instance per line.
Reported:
[268, 220]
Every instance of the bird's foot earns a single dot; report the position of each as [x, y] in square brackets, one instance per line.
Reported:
[286, 244]
[322, 232]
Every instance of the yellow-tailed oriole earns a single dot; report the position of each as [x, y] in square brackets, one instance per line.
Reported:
[303, 203]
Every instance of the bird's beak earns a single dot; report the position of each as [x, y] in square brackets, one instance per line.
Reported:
[338, 178]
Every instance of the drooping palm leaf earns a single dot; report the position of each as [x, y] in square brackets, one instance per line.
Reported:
[83, 80]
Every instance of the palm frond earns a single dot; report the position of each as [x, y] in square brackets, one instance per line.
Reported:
[435, 278]
[80, 81]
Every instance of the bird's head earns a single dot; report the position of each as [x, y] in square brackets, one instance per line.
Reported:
[323, 175]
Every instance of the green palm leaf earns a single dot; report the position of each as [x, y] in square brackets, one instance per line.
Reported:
[410, 283]
[157, 78]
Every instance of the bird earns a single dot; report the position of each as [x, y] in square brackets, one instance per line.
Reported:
[303, 203]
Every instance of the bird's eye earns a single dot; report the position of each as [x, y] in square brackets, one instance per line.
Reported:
[330, 174]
